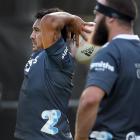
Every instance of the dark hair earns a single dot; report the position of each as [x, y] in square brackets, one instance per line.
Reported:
[127, 7]
[43, 12]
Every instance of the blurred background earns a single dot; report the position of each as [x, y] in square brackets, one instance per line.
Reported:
[16, 19]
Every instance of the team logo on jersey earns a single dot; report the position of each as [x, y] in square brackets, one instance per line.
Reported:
[30, 63]
[102, 66]
[137, 66]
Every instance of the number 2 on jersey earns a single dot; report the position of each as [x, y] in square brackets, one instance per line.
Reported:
[52, 117]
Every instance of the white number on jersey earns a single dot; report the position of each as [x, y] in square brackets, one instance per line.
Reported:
[52, 117]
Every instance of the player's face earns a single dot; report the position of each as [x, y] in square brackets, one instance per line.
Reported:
[36, 36]
[101, 33]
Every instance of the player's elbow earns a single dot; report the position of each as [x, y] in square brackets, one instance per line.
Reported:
[52, 20]
[47, 19]
[91, 97]
[88, 101]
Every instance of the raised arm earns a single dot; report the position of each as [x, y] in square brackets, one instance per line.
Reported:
[52, 24]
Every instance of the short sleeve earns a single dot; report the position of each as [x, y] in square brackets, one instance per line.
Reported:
[60, 54]
[104, 68]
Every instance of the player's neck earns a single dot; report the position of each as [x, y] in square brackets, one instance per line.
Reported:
[119, 31]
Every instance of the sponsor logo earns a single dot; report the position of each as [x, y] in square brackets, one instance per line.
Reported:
[137, 66]
[102, 66]
[65, 53]
[101, 135]
[132, 136]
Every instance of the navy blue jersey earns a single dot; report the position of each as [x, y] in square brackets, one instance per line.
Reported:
[116, 70]
[44, 95]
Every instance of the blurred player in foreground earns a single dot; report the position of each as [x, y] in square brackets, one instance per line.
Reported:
[108, 108]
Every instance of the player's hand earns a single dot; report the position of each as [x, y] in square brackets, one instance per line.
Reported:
[87, 29]
[79, 27]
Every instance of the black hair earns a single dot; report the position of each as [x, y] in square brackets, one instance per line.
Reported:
[43, 12]
[126, 7]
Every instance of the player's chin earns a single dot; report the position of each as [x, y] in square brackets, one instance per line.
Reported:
[34, 47]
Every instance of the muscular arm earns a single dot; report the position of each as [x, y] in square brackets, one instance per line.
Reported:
[52, 24]
[87, 111]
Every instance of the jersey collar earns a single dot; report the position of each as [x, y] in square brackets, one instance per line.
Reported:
[127, 36]
[123, 36]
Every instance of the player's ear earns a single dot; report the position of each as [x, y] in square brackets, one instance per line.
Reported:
[109, 20]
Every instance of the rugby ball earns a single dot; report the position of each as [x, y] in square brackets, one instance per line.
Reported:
[86, 52]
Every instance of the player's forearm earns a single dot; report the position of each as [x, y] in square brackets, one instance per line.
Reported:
[86, 117]
[65, 17]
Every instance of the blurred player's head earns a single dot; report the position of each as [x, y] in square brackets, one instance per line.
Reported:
[110, 14]
[36, 33]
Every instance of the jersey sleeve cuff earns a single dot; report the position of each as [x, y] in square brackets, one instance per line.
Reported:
[101, 84]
